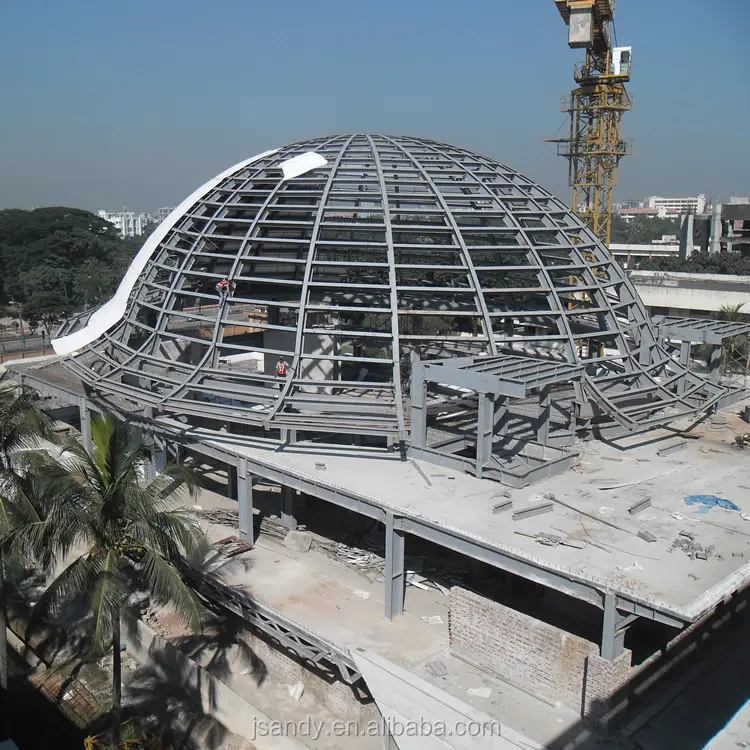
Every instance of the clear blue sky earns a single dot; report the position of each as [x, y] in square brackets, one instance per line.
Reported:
[139, 102]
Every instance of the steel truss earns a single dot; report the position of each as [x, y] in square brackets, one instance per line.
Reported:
[396, 248]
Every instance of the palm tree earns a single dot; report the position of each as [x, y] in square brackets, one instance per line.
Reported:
[736, 347]
[122, 531]
[23, 427]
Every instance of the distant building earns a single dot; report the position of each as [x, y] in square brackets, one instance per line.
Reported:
[128, 223]
[628, 214]
[674, 207]
[161, 213]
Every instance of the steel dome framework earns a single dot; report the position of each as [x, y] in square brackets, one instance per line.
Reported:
[383, 250]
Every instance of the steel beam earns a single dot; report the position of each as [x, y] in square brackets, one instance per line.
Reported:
[395, 570]
[245, 502]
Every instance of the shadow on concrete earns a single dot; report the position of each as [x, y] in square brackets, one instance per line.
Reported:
[682, 697]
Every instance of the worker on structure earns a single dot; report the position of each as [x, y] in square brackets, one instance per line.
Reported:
[281, 368]
[224, 287]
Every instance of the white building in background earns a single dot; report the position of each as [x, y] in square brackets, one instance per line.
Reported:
[128, 223]
[161, 213]
[671, 208]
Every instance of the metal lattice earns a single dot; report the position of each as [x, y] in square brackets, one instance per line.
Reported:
[396, 244]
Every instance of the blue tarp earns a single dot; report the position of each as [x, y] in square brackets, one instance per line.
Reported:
[710, 501]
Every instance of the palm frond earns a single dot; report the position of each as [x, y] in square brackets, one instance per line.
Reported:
[106, 598]
[165, 583]
[74, 582]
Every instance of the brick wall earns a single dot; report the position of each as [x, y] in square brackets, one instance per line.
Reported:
[534, 655]
[603, 680]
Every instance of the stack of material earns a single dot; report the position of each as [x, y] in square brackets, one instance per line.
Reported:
[273, 528]
[221, 517]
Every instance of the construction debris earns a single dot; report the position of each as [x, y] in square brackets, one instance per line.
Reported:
[552, 540]
[639, 506]
[686, 542]
[505, 504]
[647, 536]
[231, 546]
[533, 510]
[298, 540]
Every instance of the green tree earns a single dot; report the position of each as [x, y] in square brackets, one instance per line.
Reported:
[45, 307]
[45, 250]
[124, 532]
[23, 427]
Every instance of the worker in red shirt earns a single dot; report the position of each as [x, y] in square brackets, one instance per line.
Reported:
[281, 368]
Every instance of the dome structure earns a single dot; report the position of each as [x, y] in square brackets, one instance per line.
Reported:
[348, 257]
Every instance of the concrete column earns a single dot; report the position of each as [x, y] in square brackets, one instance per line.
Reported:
[395, 572]
[287, 507]
[85, 415]
[714, 244]
[545, 412]
[245, 502]
[687, 236]
[485, 429]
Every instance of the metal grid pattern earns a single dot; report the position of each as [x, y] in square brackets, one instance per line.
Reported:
[397, 244]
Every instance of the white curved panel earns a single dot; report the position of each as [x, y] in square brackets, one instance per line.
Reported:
[112, 312]
[299, 165]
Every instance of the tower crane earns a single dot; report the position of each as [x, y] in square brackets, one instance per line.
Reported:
[595, 144]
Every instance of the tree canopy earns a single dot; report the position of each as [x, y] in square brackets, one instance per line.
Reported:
[643, 230]
[55, 260]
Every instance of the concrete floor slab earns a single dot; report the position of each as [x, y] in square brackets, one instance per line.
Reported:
[591, 507]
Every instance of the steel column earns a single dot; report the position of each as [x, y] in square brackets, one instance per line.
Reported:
[395, 572]
[485, 429]
[714, 363]
[245, 502]
[542, 433]
[614, 627]
[287, 507]
[85, 416]
[418, 407]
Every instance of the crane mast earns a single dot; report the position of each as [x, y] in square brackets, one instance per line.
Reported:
[595, 144]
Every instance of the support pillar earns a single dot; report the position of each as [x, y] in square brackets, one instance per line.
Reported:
[685, 348]
[245, 502]
[287, 507]
[614, 627]
[395, 572]
[158, 457]
[545, 412]
[714, 363]
[418, 409]
[85, 415]
[232, 482]
[485, 429]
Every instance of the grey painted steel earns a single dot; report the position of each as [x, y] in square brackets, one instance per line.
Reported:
[290, 635]
[245, 501]
[84, 414]
[614, 626]
[700, 330]
[395, 569]
[288, 517]
[397, 244]
[446, 537]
